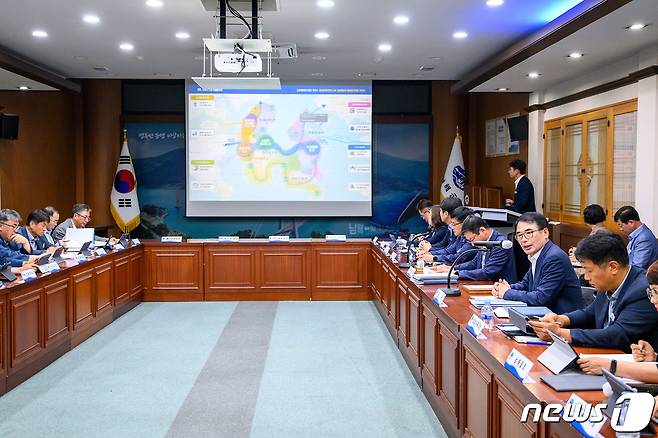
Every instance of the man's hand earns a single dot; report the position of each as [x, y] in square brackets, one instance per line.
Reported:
[593, 365]
[28, 264]
[499, 288]
[113, 241]
[21, 240]
[509, 201]
[442, 269]
[51, 250]
[643, 352]
[428, 257]
[542, 328]
[425, 246]
[655, 407]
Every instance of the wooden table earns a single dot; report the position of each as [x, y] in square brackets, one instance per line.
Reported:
[42, 319]
[463, 378]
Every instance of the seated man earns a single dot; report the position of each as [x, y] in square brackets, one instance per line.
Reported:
[493, 265]
[439, 220]
[54, 220]
[80, 219]
[34, 232]
[449, 254]
[621, 314]
[11, 243]
[551, 280]
[642, 245]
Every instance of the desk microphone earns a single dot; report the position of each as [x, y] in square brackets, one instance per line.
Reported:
[505, 244]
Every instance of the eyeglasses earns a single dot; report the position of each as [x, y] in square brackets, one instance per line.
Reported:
[527, 235]
[84, 217]
[13, 227]
[652, 291]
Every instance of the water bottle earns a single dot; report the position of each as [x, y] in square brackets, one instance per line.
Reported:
[487, 315]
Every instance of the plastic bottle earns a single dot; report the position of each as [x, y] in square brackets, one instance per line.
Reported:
[487, 315]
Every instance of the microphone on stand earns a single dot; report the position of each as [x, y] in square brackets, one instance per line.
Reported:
[410, 250]
[478, 246]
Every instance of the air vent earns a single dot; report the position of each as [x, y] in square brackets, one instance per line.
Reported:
[101, 68]
[284, 51]
[427, 67]
[243, 5]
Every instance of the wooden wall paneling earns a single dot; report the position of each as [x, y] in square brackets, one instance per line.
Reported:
[103, 288]
[46, 136]
[122, 280]
[449, 379]
[493, 197]
[137, 274]
[3, 343]
[285, 273]
[26, 325]
[403, 312]
[408, 305]
[83, 299]
[508, 411]
[57, 298]
[341, 272]
[393, 310]
[477, 396]
[175, 273]
[231, 273]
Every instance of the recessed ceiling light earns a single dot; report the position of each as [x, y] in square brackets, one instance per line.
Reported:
[366, 75]
[126, 47]
[317, 74]
[182, 35]
[91, 19]
[23, 88]
[533, 75]
[637, 26]
[385, 47]
[325, 3]
[575, 55]
[494, 3]
[319, 58]
[154, 3]
[39, 33]
[435, 58]
[322, 35]
[401, 19]
[459, 35]
[502, 89]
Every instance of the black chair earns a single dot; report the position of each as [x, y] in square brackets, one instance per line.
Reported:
[589, 295]
[520, 258]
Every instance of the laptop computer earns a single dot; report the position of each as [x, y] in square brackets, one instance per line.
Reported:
[124, 240]
[43, 260]
[519, 316]
[85, 249]
[5, 272]
[620, 387]
[57, 255]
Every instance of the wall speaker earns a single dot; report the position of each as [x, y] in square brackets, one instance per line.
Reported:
[9, 126]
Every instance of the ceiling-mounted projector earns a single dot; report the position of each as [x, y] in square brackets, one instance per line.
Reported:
[238, 63]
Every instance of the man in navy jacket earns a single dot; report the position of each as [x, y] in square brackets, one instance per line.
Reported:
[642, 245]
[551, 280]
[34, 232]
[524, 192]
[498, 263]
[459, 244]
[621, 314]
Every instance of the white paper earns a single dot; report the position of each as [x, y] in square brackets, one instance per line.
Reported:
[76, 237]
[501, 312]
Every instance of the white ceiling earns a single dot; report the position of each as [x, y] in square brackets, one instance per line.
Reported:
[11, 81]
[603, 43]
[357, 27]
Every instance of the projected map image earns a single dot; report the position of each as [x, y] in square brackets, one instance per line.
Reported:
[298, 144]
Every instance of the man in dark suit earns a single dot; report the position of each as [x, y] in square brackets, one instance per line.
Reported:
[551, 280]
[449, 254]
[621, 314]
[524, 192]
[642, 245]
[438, 219]
[34, 232]
[80, 218]
[11, 242]
[490, 265]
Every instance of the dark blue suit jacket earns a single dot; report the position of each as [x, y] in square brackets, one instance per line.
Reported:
[554, 285]
[10, 252]
[498, 263]
[440, 236]
[635, 317]
[42, 242]
[449, 254]
[524, 196]
[642, 247]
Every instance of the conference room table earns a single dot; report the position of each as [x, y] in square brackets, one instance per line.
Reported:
[463, 378]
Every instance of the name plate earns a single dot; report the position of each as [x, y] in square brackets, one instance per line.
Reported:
[394, 257]
[49, 267]
[387, 249]
[518, 365]
[279, 238]
[439, 296]
[100, 252]
[374, 240]
[80, 258]
[335, 238]
[228, 239]
[28, 275]
[136, 242]
[172, 239]
[119, 247]
[475, 326]
[410, 271]
[587, 428]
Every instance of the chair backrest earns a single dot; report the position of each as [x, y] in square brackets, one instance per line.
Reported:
[589, 295]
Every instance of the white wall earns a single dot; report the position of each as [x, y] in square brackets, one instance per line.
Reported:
[645, 91]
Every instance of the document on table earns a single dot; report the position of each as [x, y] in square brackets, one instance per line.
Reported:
[501, 312]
